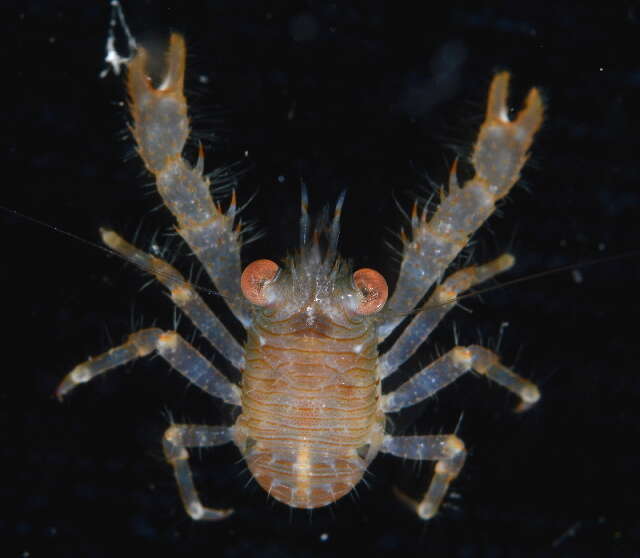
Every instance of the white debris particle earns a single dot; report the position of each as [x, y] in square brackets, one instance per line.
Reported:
[113, 58]
[324, 537]
[155, 249]
[577, 276]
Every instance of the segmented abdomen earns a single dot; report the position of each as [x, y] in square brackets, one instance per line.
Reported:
[310, 405]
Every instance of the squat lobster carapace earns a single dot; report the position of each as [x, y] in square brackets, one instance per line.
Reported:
[312, 411]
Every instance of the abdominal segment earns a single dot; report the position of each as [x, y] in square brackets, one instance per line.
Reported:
[310, 414]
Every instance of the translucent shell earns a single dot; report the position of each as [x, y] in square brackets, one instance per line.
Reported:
[374, 291]
[255, 277]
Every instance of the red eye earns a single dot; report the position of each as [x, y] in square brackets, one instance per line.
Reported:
[374, 291]
[255, 277]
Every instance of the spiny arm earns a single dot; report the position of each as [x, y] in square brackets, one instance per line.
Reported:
[161, 128]
[499, 154]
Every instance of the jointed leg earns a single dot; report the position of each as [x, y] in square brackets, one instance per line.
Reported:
[451, 366]
[173, 348]
[176, 440]
[447, 450]
[183, 295]
[498, 156]
[436, 308]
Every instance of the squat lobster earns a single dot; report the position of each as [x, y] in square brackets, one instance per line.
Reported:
[312, 411]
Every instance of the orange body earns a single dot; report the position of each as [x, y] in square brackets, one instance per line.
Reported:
[310, 405]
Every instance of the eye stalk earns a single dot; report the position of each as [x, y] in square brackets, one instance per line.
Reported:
[373, 289]
[255, 278]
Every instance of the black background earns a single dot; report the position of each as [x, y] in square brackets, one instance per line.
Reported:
[378, 98]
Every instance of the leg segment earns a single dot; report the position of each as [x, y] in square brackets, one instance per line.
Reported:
[161, 128]
[183, 295]
[450, 367]
[177, 439]
[173, 348]
[436, 308]
[498, 156]
[449, 453]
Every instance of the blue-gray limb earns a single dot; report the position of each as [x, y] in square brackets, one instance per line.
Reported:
[174, 349]
[449, 453]
[498, 156]
[177, 439]
[436, 308]
[450, 367]
[183, 295]
[161, 128]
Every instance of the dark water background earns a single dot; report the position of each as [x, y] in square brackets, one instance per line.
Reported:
[378, 98]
